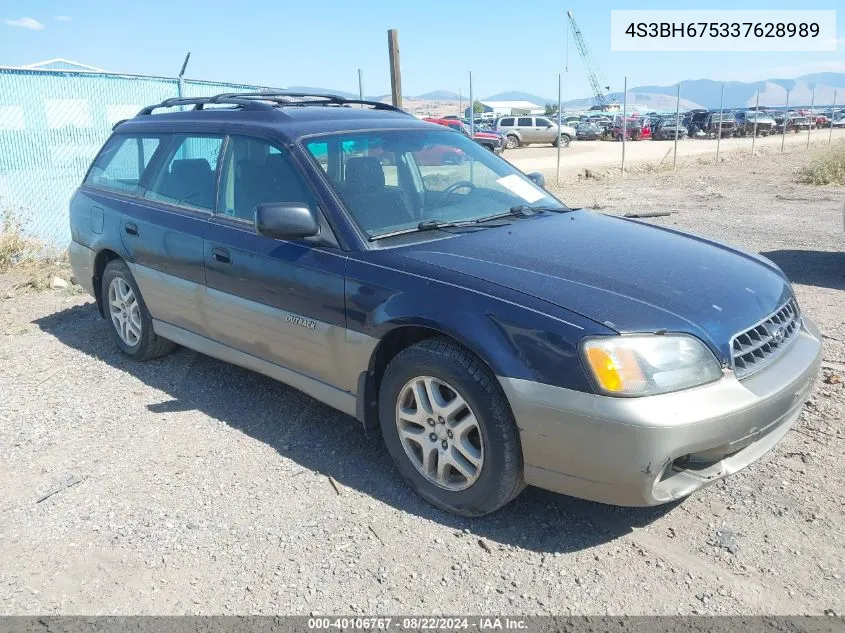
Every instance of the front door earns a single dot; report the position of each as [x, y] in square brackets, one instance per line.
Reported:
[281, 301]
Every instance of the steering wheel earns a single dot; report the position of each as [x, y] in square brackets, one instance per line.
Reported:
[461, 184]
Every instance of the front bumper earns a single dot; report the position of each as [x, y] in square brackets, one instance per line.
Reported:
[652, 450]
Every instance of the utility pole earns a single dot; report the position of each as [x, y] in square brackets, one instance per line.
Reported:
[395, 70]
[361, 85]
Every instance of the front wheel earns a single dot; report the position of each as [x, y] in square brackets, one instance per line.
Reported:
[129, 320]
[449, 428]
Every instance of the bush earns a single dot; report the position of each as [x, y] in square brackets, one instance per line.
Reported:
[827, 169]
[15, 246]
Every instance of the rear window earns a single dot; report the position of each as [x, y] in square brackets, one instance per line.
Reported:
[187, 176]
[121, 163]
[506, 122]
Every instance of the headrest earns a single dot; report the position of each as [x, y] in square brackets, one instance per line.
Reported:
[364, 173]
[190, 168]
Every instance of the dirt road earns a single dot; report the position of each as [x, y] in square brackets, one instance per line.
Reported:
[199, 487]
[593, 154]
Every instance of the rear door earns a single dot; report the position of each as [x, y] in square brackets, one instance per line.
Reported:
[281, 301]
[163, 231]
[525, 125]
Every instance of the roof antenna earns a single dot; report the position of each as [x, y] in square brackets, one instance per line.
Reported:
[184, 65]
[180, 85]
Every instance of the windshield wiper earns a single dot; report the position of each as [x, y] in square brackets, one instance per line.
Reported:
[522, 211]
[433, 225]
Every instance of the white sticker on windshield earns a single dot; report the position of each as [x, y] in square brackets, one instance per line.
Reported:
[524, 190]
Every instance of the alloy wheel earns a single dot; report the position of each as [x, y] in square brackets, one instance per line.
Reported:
[124, 311]
[440, 433]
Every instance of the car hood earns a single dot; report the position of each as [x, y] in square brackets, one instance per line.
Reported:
[630, 276]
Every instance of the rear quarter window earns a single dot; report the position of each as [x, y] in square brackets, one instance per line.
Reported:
[122, 162]
[506, 122]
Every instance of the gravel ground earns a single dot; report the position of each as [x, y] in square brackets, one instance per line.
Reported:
[204, 488]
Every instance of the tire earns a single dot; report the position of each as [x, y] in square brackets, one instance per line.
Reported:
[564, 141]
[511, 141]
[139, 342]
[451, 370]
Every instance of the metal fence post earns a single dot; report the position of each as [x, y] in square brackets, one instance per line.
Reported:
[471, 109]
[756, 114]
[624, 122]
[719, 130]
[810, 127]
[785, 119]
[559, 102]
[832, 117]
[677, 125]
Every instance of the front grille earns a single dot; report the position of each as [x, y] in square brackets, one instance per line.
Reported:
[758, 346]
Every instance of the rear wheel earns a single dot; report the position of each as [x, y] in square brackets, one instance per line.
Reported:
[449, 428]
[129, 320]
[511, 141]
[564, 140]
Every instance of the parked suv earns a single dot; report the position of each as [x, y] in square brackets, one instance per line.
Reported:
[496, 337]
[524, 130]
[747, 123]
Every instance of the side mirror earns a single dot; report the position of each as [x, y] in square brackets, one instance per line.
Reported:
[285, 221]
[538, 178]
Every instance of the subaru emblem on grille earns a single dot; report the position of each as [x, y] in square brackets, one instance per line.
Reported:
[779, 334]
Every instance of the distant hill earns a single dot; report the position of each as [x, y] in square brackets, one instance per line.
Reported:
[739, 94]
[441, 95]
[652, 101]
[695, 93]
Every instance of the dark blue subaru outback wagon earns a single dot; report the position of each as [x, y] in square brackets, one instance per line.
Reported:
[405, 275]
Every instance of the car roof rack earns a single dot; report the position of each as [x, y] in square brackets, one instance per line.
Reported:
[268, 101]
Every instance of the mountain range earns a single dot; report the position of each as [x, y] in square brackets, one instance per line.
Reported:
[696, 93]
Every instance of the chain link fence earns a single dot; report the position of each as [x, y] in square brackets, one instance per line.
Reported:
[52, 124]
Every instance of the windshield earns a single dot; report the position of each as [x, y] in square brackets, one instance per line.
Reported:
[392, 180]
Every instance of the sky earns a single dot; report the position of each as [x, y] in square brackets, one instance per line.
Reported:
[323, 43]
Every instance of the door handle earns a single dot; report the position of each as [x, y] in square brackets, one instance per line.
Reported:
[131, 228]
[221, 255]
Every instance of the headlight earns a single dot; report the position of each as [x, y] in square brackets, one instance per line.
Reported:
[648, 364]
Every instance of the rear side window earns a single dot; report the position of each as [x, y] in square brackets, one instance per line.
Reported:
[506, 122]
[255, 171]
[525, 122]
[187, 176]
[121, 163]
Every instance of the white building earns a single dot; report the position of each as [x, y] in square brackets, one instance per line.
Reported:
[511, 108]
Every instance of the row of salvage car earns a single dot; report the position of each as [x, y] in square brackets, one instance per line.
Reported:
[701, 124]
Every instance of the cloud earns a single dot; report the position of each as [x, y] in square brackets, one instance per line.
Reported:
[62, 18]
[26, 23]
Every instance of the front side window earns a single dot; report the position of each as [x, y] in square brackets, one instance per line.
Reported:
[256, 171]
[391, 180]
[122, 162]
[543, 123]
[187, 176]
